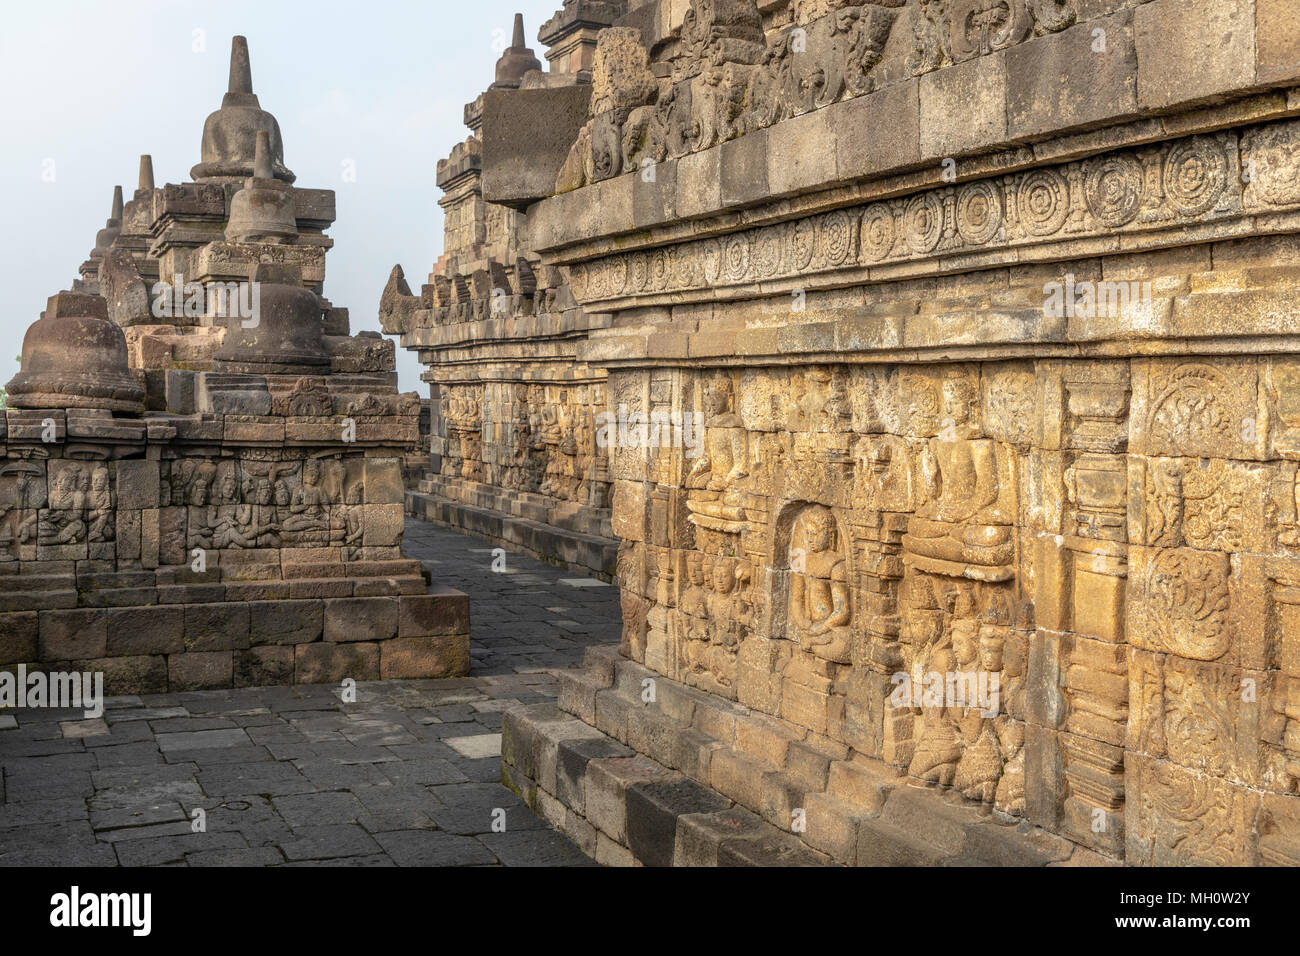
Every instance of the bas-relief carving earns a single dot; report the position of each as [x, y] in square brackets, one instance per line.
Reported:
[246, 503]
[953, 31]
[1158, 638]
[724, 77]
[23, 492]
[1197, 180]
[538, 438]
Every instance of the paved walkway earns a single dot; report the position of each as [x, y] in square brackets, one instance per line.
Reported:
[291, 776]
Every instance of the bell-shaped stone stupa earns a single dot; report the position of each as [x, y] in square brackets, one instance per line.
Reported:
[284, 335]
[230, 134]
[263, 210]
[74, 356]
[515, 61]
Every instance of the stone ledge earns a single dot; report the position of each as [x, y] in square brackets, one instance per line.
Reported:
[557, 546]
[220, 644]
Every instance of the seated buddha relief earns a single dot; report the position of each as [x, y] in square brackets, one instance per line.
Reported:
[819, 612]
[964, 526]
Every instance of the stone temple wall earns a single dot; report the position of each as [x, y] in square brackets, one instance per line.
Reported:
[989, 313]
[201, 483]
[514, 457]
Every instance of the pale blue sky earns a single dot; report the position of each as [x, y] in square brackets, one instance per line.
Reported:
[91, 86]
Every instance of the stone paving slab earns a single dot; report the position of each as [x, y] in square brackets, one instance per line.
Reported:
[407, 775]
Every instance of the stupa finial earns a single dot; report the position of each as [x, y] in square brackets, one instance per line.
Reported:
[516, 60]
[241, 69]
[262, 156]
[146, 172]
[116, 216]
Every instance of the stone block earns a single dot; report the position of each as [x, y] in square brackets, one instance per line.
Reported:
[1193, 51]
[738, 777]
[1277, 42]
[382, 525]
[442, 611]
[800, 154]
[267, 666]
[743, 165]
[360, 619]
[963, 107]
[423, 657]
[286, 622]
[141, 631]
[222, 626]
[699, 183]
[1073, 79]
[653, 810]
[610, 853]
[699, 835]
[129, 675]
[877, 132]
[608, 781]
[73, 634]
[571, 760]
[329, 663]
[200, 670]
[137, 485]
[383, 477]
[526, 138]
[18, 637]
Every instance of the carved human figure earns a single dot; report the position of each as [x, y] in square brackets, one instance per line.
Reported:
[101, 519]
[24, 525]
[962, 467]
[27, 492]
[980, 764]
[64, 521]
[694, 594]
[352, 519]
[203, 516]
[937, 747]
[307, 512]
[233, 517]
[819, 593]
[726, 458]
[1009, 796]
[264, 526]
[722, 604]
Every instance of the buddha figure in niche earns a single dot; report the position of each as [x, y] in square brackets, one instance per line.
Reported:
[726, 458]
[964, 467]
[307, 511]
[964, 527]
[819, 594]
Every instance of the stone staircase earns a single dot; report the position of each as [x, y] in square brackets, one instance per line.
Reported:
[642, 770]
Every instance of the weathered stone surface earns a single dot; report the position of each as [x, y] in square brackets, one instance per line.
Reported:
[360, 619]
[137, 631]
[408, 657]
[1173, 34]
[328, 663]
[73, 635]
[443, 612]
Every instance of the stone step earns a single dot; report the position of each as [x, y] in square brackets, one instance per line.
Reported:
[798, 786]
[624, 808]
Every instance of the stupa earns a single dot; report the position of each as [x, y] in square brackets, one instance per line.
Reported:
[204, 481]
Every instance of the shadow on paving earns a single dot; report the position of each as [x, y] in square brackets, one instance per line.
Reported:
[292, 776]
